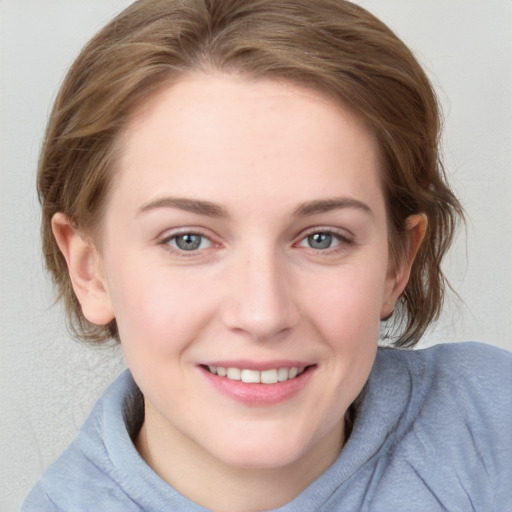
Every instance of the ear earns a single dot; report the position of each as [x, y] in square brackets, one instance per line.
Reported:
[398, 277]
[85, 270]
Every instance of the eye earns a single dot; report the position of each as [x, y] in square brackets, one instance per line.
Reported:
[324, 240]
[320, 241]
[188, 242]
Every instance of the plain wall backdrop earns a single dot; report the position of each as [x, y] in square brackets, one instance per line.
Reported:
[49, 382]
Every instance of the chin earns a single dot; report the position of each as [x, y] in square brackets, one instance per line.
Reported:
[264, 449]
[258, 457]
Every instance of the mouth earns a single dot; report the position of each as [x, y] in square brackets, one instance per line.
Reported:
[259, 387]
[249, 376]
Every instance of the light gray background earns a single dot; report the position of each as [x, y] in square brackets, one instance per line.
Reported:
[49, 382]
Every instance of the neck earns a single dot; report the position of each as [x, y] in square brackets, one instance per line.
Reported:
[218, 486]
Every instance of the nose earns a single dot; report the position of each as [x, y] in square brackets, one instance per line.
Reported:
[259, 300]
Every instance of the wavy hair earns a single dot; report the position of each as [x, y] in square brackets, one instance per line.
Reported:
[332, 46]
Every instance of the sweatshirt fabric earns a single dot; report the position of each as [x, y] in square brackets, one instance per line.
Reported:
[433, 433]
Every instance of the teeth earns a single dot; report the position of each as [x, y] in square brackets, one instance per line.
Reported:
[269, 376]
[250, 376]
[254, 376]
[282, 374]
[233, 373]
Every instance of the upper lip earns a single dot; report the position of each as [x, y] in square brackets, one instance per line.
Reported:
[259, 365]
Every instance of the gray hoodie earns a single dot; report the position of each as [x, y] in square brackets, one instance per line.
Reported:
[433, 432]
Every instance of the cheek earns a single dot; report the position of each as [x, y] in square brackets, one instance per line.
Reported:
[346, 316]
[157, 310]
[347, 300]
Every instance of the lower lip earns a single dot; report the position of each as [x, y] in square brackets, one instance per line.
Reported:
[259, 394]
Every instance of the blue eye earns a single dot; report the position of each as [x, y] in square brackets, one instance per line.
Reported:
[320, 240]
[189, 242]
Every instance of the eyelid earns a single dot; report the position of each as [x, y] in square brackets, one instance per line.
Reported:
[171, 234]
[345, 241]
[342, 234]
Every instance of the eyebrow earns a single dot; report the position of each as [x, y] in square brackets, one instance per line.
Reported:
[214, 210]
[188, 205]
[325, 205]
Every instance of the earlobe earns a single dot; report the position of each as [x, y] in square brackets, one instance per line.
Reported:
[416, 227]
[84, 267]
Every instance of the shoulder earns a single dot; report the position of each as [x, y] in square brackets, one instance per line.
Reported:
[468, 355]
[467, 350]
[484, 365]
[38, 500]
[467, 380]
[457, 421]
[88, 460]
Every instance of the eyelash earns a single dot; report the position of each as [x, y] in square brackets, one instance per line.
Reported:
[175, 249]
[342, 240]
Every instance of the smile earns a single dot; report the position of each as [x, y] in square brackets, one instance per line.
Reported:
[272, 376]
[259, 384]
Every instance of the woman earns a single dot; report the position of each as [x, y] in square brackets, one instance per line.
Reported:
[242, 193]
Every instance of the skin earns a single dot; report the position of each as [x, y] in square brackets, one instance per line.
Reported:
[276, 164]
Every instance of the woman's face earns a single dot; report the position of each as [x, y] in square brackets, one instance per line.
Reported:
[246, 235]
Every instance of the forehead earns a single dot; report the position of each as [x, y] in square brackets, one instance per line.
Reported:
[214, 135]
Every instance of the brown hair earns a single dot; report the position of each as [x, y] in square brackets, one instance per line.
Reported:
[332, 46]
